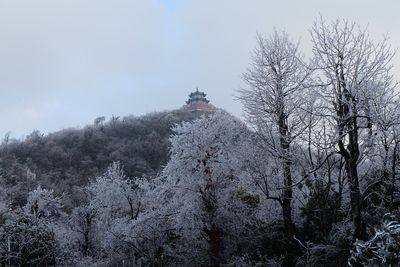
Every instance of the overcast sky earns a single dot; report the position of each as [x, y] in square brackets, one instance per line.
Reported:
[65, 62]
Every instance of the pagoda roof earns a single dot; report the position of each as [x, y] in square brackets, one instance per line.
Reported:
[198, 101]
[197, 93]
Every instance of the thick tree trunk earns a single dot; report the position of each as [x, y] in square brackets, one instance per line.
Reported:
[211, 229]
[214, 237]
[346, 109]
[287, 201]
[351, 156]
[287, 193]
[87, 242]
[355, 200]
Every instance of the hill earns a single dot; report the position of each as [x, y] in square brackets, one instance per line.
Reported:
[71, 157]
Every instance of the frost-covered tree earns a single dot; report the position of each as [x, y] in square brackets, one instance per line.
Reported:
[114, 195]
[83, 226]
[200, 182]
[147, 240]
[117, 201]
[26, 240]
[273, 103]
[348, 62]
[43, 204]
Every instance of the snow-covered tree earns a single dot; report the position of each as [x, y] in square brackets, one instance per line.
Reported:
[83, 229]
[26, 240]
[347, 63]
[200, 182]
[115, 195]
[273, 102]
[109, 225]
[43, 204]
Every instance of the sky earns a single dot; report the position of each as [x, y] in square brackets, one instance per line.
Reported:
[64, 63]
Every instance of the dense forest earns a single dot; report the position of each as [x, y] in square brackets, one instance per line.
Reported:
[310, 177]
[72, 157]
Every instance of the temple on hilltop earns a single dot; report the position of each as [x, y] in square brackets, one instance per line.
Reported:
[198, 101]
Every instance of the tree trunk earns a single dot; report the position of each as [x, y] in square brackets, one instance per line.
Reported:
[287, 201]
[347, 112]
[287, 194]
[351, 159]
[355, 200]
[211, 229]
[87, 244]
[393, 177]
[214, 238]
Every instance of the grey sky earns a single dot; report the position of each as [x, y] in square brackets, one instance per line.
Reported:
[65, 62]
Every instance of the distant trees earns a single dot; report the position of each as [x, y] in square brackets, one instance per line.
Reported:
[61, 160]
[4, 203]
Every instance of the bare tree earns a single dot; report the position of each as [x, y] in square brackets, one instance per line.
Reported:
[272, 102]
[348, 62]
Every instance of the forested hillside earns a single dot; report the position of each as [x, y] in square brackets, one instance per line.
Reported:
[71, 157]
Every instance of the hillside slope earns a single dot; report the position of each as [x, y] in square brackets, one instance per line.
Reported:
[71, 157]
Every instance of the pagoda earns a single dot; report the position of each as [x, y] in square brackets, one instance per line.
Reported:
[198, 101]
